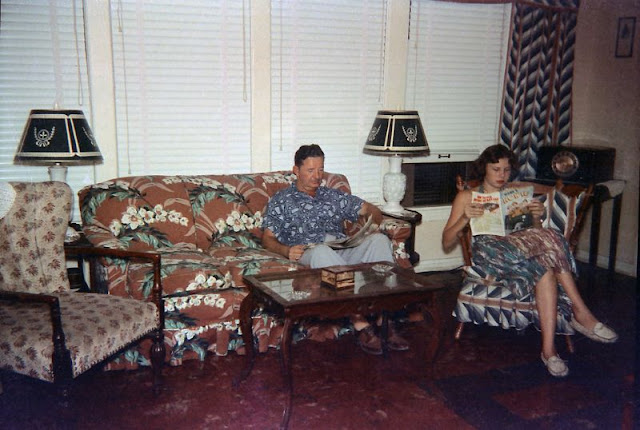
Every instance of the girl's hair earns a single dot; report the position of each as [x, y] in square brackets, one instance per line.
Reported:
[491, 154]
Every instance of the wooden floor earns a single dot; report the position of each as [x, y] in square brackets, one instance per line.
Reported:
[490, 379]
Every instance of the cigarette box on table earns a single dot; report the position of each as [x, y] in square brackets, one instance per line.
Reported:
[338, 276]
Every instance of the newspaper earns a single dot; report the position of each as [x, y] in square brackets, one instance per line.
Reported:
[350, 242]
[505, 211]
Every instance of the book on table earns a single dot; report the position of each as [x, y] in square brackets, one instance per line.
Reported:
[505, 211]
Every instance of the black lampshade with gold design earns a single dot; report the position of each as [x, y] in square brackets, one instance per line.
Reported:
[57, 138]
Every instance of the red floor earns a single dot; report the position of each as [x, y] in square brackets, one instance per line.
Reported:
[491, 379]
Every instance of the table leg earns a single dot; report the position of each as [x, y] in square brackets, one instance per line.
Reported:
[384, 333]
[433, 315]
[285, 349]
[613, 240]
[246, 308]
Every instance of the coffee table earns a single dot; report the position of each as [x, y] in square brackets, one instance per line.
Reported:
[379, 288]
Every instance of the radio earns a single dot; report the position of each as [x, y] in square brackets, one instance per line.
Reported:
[581, 165]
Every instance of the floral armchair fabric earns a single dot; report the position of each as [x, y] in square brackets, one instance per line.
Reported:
[208, 230]
[48, 331]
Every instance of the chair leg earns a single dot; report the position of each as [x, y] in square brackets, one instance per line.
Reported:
[459, 329]
[158, 351]
[569, 341]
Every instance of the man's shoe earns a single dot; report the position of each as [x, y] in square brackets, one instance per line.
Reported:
[555, 365]
[369, 341]
[395, 342]
[600, 332]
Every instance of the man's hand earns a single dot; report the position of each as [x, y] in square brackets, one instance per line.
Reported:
[296, 251]
[368, 209]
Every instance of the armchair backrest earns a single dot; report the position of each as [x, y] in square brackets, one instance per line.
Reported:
[565, 208]
[32, 238]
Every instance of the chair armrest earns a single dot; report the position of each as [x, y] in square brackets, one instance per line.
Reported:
[62, 360]
[153, 257]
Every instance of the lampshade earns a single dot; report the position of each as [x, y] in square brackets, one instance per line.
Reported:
[57, 138]
[397, 132]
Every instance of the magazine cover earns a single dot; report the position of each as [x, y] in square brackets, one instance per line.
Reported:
[491, 222]
[517, 215]
[504, 212]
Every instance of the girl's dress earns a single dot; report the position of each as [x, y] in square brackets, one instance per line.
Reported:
[521, 258]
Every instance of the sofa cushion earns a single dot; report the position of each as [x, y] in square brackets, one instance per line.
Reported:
[226, 209]
[138, 213]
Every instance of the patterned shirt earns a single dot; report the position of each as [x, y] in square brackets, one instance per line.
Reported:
[296, 218]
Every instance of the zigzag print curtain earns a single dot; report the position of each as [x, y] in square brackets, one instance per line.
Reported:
[536, 107]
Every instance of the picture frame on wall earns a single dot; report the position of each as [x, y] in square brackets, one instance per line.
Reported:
[626, 34]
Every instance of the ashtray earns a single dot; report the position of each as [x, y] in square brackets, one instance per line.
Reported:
[382, 269]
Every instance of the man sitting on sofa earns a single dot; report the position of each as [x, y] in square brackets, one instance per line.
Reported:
[306, 213]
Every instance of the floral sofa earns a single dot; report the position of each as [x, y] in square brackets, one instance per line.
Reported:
[208, 230]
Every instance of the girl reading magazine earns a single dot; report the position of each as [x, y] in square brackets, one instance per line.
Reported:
[538, 259]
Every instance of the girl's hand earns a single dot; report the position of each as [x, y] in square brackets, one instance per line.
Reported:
[473, 210]
[536, 207]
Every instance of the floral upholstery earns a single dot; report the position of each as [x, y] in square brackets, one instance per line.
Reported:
[94, 326]
[486, 300]
[25, 331]
[30, 233]
[213, 241]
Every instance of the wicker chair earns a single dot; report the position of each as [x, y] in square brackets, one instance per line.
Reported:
[48, 331]
[484, 299]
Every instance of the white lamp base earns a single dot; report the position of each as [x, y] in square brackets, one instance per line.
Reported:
[393, 186]
[58, 172]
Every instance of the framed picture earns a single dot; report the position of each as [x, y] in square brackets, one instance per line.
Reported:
[626, 34]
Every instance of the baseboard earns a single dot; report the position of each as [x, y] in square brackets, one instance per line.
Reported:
[434, 264]
[454, 262]
[603, 262]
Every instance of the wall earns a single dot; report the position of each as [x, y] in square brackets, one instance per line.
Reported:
[606, 108]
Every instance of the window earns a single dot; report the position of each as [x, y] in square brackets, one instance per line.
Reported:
[455, 70]
[182, 83]
[327, 84]
[43, 63]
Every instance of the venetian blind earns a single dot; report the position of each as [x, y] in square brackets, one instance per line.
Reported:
[455, 70]
[42, 62]
[182, 82]
[327, 84]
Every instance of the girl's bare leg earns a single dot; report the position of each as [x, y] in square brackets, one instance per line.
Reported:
[582, 313]
[547, 305]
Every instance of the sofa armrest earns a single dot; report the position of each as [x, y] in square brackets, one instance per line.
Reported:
[401, 233]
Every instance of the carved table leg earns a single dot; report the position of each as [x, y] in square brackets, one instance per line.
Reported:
[285, 350]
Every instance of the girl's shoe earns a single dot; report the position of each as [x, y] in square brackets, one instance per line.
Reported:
[555, 365]
[600, 333]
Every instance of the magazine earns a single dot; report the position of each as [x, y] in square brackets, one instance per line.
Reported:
[505, 211]
[352, 241]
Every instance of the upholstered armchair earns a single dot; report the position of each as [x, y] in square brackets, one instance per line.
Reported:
[486, 300]
[47, 330]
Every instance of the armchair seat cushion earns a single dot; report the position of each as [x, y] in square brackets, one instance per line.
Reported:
[95, 326]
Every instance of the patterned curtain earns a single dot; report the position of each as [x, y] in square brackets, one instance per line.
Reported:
[537, 92]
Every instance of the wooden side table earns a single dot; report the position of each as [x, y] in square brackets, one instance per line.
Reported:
[77, 280]
[414, 218]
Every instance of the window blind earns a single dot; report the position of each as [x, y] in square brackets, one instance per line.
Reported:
[182, 86]
[327, 84]
[455, 70]
[42, 62]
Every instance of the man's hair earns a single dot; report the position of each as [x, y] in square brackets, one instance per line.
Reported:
[306, 151]
[492, 154]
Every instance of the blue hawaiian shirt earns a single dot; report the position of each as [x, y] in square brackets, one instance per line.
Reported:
[296, 218]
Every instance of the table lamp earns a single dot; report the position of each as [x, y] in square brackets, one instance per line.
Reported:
[396, 134]
[57, 138]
